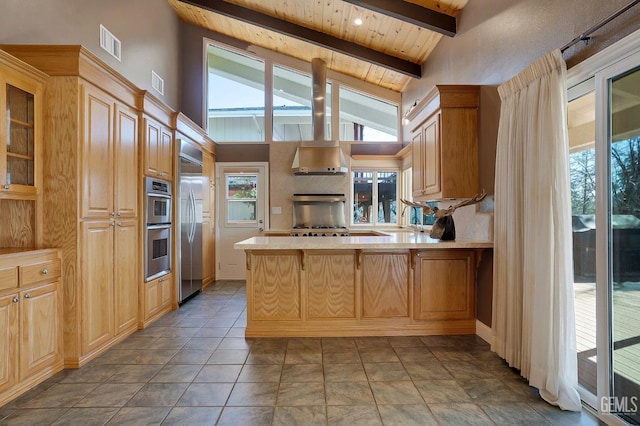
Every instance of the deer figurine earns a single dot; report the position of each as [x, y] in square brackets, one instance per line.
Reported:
[444, 229]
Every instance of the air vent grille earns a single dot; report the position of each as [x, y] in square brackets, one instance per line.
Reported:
[110, 43]
[157, 82]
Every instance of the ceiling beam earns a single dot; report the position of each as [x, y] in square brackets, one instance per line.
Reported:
[308, 35]
[411, 13]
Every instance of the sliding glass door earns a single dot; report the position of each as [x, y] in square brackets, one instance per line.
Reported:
[619, 88]
[604, 135]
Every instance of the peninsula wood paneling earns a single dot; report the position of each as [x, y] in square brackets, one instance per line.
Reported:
[331, 285]
[385, 285]
[359, 292]
[275, 292]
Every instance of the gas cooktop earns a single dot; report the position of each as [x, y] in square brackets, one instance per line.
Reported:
[319, 231]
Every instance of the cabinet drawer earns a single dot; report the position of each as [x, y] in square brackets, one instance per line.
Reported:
[31, 273]
[8, 277]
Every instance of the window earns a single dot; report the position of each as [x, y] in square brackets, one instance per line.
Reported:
[367, 119]
[292, 106]
[241, 198]
[236, 94]
[375, 199]
[238, 86]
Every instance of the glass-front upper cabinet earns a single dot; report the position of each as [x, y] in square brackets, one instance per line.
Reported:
[21, 88]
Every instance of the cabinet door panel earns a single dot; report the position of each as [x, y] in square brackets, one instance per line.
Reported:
[152, 147]
[164, 284]
[97, 154]
[126, 162]
[445, 286]
[207, 251]
[207, 179]
[97, 277]
[385, 285]
[166, 154]
[41, 328]
[431, 156]
[8, 341]
[151, 298]
[331, 285]
[417, 174]
[276, 286]
[126, 275]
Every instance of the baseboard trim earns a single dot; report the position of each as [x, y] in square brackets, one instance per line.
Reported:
[483, 331]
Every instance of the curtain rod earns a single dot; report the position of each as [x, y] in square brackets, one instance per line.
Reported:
[585, 35]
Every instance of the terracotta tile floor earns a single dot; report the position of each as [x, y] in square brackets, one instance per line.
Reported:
[194, 367]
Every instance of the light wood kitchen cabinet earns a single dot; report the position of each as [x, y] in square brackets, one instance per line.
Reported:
[21, 149]
[9, 336]
[21, 98]
[445, 144]
[275, 289]
[157, 137]
[360, 292]
[331, 284]
[30, 319]
[109, 156]
[157, 298]
[208, 244]
[208, 184]
[445, 287]
[126, 275]
[97, 272]
[91, 182]
[386, 284]
[41, 333]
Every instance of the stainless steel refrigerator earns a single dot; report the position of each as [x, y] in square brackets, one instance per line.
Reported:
[190, 219]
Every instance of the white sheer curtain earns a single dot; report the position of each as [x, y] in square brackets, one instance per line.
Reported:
[533, 312]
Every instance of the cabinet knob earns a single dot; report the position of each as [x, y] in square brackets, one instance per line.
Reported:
[119, 223]
[27, 296]
[45, 271]
[113, 224]
[16, 300]
[5, 186]
[113, 214]
[119, 213]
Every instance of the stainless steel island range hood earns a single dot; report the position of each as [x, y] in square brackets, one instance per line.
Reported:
[320, 156]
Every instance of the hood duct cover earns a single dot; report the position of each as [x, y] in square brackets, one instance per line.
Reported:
[320, 156]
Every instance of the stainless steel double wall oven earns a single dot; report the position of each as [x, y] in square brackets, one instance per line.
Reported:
[158, 228]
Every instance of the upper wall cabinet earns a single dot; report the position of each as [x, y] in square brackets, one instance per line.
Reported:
[157, 138]
[445, 144]
[21, 88]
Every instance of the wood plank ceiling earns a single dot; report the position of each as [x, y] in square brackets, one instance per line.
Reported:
[387, 49]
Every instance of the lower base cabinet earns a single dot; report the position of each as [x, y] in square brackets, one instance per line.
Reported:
[445, 285]
[30, 320]
[360, 292]
[156, 299]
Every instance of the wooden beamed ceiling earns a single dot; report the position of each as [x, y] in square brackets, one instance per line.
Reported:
[387, 49]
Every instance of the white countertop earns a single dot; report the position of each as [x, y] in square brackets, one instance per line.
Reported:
[398, 240]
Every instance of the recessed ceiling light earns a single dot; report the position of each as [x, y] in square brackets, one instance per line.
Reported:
[357, 22]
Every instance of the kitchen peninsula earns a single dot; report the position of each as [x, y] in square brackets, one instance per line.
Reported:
[403, 283]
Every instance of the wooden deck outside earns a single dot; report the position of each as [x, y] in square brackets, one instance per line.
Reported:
[626, 355]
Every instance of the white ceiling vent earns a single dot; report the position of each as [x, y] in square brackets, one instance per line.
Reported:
[157, 82]
[110, 43]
